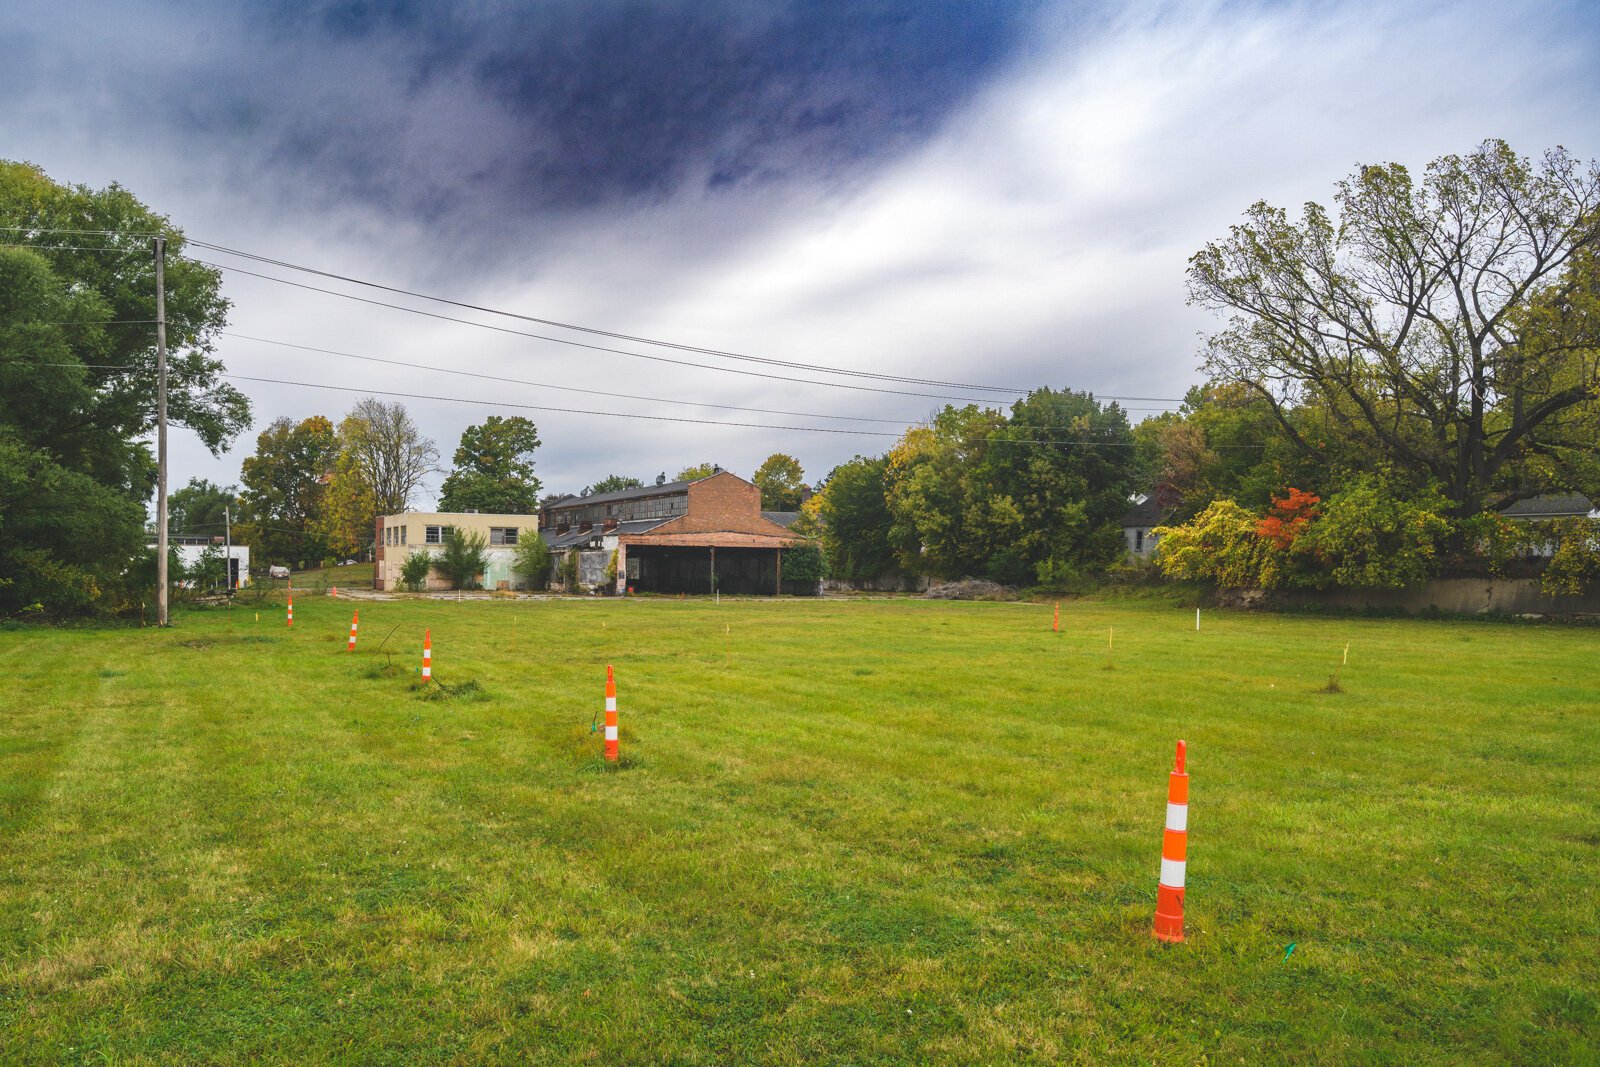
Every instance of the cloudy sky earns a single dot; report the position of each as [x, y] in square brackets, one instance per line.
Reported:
[995, 194]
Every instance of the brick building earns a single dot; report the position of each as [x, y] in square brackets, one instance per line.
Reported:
[679, 537]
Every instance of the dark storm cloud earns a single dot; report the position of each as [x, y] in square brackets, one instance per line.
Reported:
[562, 107]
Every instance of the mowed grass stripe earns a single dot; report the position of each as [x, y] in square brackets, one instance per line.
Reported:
[889, 831]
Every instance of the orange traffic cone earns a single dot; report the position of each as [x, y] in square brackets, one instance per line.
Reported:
[333, 591]
[1174, 852]
[354, 619]
[291, 610]
[427, 655]
[611, 715]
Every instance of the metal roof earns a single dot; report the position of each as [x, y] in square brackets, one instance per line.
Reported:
[575, 536]
[782, 518]
[625, 494]
[1549, 506]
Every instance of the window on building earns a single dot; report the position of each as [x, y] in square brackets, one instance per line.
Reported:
[402, 535]
[438, 535]
[502, 535]
[1138, 540]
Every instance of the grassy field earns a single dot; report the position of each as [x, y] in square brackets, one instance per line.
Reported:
[866, 832]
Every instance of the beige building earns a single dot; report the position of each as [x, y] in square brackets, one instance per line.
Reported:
[398, 536]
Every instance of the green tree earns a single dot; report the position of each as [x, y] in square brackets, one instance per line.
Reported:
[1220, 546]
[464, 559]
[850, 516]
[943, 525]
[75, 389]
[200, 509]
[284, 485]
[781, 481]
[699, 470]
[1368, 536]
[415, 570]
[494, 469]
[612, 483]
[1054, 482]
[532, 559]
[803, 566]
[1445, 329]
[346, 515]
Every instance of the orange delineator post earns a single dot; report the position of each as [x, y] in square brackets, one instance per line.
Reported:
[611, 715]
[427, 655]
[354, 619]
[1174, 853]
[1056, 625]
[291, 610]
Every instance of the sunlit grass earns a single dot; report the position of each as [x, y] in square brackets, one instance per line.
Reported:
[883, 831]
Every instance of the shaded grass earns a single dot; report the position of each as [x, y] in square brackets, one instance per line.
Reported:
[887, 831]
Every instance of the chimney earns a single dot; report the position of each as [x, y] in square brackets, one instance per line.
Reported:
[610, 524]
[562, 527]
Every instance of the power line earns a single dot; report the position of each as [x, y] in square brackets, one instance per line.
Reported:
[564, 388]
[636, 339]
[592, 348]
[1064, 442]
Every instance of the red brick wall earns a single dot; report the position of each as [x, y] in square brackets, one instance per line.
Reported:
[723, 503]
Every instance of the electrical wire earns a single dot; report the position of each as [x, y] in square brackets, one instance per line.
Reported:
[634, 338]
[584, 345]
[563, 388]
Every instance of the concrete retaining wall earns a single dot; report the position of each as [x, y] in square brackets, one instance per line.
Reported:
[1510, 596]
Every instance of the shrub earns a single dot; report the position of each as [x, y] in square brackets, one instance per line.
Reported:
[1366, 537]
[569, 571]
[532, 559]
[1218, 545]
[464, 559]
[414, 571]
[804, 566]
[1576, 559]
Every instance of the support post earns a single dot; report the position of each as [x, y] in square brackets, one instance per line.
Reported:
[713, 568]
[159, 247]
[777, 589]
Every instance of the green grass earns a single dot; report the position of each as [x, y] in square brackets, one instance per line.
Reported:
[871, 832]
[357, 575]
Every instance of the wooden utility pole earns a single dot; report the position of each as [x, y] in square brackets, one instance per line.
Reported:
[227, 540]
[160, 248]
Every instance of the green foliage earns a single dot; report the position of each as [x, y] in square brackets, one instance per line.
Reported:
[781, 482]
[1575, 562]
[1366, 536]
[804, 566]
[850, 516]
[699, 470]
[494, 469]
[611, 571]
[532, 559]
[976, 492]
[612, 483]
[569, 572]
[1364, 328]
[200, 509]
[210, 570]
[464, 559]
[284, 486]
[415, 570]
[1219, 546]
[75, 405]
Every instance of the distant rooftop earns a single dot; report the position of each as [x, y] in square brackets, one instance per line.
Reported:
[624, 494]
[1549, 506]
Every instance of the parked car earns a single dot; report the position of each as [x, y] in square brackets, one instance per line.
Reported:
[278, 572]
